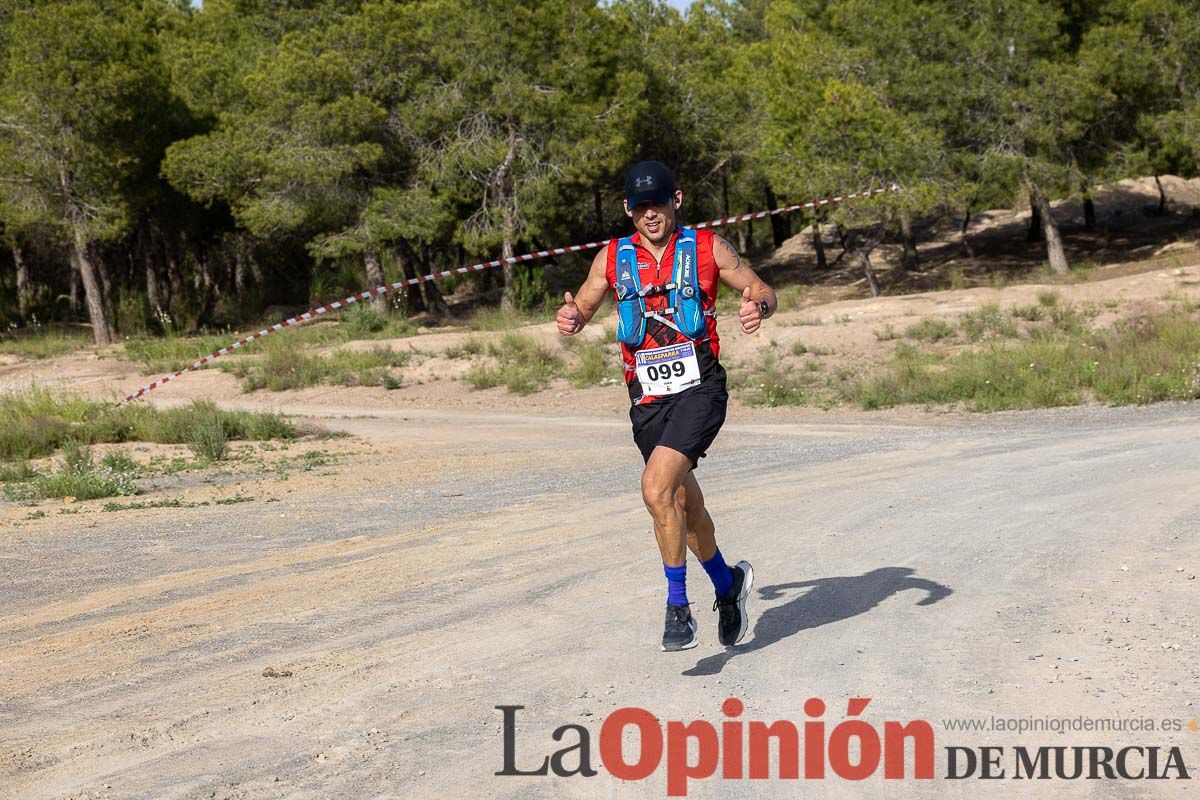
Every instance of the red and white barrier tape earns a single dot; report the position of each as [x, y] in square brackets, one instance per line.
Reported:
[358, 297]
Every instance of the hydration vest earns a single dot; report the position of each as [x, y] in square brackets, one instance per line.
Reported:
[685, 306]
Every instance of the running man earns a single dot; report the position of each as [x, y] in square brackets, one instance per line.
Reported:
[664, 281]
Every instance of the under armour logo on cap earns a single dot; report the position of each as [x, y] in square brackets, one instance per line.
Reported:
[649, 182]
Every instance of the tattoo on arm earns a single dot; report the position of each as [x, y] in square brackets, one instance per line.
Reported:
[737, 260]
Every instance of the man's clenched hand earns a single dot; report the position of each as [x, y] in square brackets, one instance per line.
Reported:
[569, 317]
[749, 314]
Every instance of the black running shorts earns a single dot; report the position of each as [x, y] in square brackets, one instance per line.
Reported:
[687, 422]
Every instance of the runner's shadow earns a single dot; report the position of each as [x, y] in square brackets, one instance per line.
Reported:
[827, 600]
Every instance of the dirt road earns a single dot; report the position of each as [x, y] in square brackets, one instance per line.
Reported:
[353, 639]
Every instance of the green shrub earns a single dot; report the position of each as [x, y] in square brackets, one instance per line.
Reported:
[366, 321]
[1048, 297]
[35, 422]
[179, 425]
[209, 441]
[286, 368]
[1147, 360]
[523, 365]
[529, 288]
[44, 343]
[173, 353]
[77, 476]
[592, 367]
[987, 322]
[770, 384]
[119, 462]
[930, 329]
[172, 502]
[470, 346]
[1068, 319]
[281, 369]
[363, 319]
[1033, 313]
[133, 313]
[1142, 360]
[16, 471]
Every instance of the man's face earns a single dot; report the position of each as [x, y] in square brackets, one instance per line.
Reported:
[655, 221]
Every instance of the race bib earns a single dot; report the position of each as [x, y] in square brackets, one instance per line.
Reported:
[667, 370]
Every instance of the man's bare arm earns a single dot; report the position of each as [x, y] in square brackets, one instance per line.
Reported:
[578, 310]
[741, 278]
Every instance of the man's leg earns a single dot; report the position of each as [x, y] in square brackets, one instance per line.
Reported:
[701, 533]
[732, 585]
[661, 482]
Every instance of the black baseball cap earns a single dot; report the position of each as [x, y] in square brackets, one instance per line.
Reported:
[649, 182]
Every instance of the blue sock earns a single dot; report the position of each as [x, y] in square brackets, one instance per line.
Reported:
[719, 572]
[676, 584]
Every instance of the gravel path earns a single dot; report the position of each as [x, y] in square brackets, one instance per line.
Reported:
[951, 567]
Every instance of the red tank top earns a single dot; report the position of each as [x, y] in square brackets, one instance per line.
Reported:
[658, 334]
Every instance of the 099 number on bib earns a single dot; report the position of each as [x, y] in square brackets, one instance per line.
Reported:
[656, 372]
[667, 370]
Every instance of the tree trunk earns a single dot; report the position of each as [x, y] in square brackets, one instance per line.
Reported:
[1089, 206]
[239, 268]
[24, 290]
[73, 290]
[101, 326]
[749, 232]
[205, 290]
[153, 296]
[962, 233]
[864, 260]
[255, 268]
[910, 260]
[551, 275]
[1162, 197]
[781, 229]
[504, 194]
[106, 291]
[433, 296]
[506, 253]
[375, 278]
[599, 211]
[1034, 234]
[413, 302]
[819, 244]
[174, 276]
[1054, 242]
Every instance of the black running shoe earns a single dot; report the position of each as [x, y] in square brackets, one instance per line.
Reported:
[733, 622]
[680, 630]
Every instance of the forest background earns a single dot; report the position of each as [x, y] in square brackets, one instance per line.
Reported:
[166, 168]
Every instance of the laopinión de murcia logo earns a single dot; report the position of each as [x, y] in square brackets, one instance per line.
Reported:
[734, 748]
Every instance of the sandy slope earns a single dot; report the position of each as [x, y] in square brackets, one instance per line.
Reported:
[844, 333]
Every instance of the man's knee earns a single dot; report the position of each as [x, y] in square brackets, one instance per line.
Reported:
[660, 495]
